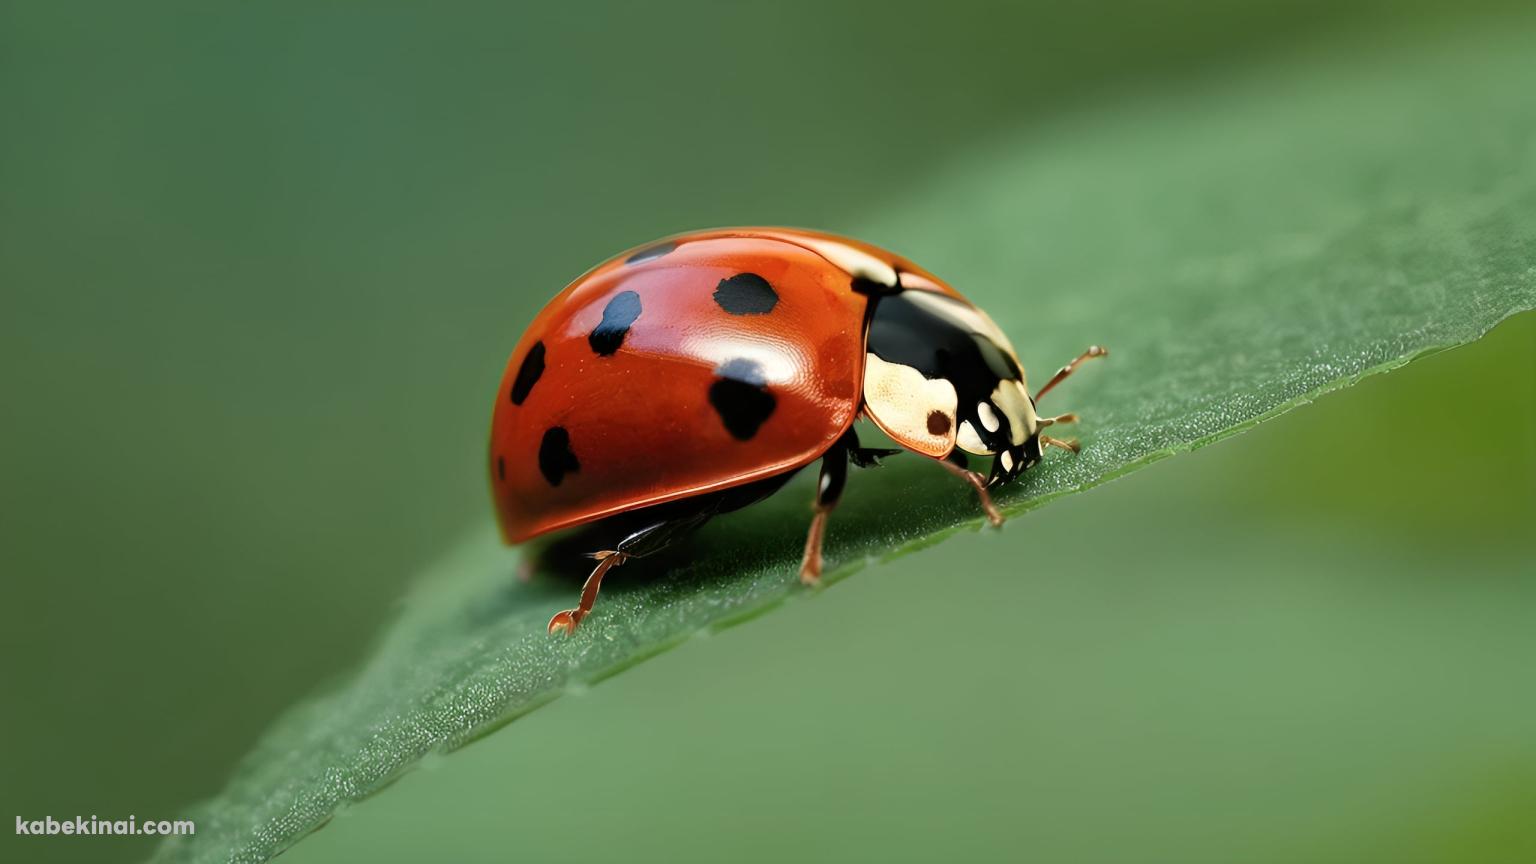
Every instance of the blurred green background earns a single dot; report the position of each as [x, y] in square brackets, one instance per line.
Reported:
[260, 267]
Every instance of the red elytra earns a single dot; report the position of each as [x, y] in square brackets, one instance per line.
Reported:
[720, 359]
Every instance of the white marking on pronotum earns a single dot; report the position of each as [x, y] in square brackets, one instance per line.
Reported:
[901, 401]
[987, 415]
[913, 282]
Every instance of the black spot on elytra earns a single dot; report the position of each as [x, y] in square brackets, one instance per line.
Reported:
[650, 252]
[555, 456]
[746, 294]
[938, 423]
[528, 373]
[620, 312]
[741, 398]
[501, 468]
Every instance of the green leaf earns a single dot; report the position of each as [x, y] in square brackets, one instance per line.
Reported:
[1242, 247]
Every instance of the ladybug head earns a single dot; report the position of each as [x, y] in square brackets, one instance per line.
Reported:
[940, 375]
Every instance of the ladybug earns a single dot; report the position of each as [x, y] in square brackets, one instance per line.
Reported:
[695, 375]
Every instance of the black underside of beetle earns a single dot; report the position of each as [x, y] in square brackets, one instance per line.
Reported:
[649, 530]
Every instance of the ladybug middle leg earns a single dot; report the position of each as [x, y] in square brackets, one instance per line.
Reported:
[829, 489]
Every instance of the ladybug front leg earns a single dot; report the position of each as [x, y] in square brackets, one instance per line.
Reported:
[955, 464]
[829, 488]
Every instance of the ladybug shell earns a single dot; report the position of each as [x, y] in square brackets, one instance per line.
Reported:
[695, 364]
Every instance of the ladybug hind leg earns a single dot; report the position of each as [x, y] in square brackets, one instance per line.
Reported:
[568, 620]
[646, 541]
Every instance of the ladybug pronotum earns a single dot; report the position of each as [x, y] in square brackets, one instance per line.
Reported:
[695, 375]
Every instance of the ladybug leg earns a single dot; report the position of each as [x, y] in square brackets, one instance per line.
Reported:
[865, 457]
[531, 561]
[1062, 373]
[834, 476]
[526, 567]
[869, 457]
[568, 620]
[955, 463]
[1065, 444]
[647, 541]
[1043, 422]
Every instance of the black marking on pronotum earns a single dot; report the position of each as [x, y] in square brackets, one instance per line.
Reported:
[999, 361]
[528, 373]
[649, 252]
[555, 456]
[741, 398]
[870, 288]
[501, 468]
[746, 294]
[911, 334]
[620, 312]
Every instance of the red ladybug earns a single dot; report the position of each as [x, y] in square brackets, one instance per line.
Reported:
[694, 376]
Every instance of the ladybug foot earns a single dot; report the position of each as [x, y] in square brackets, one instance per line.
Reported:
[1068, 444]
[979, 483]
[994, 515]
[565, 622]
[810, 569]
